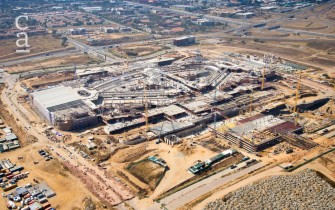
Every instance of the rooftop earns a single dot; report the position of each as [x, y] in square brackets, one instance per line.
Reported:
[56, 96]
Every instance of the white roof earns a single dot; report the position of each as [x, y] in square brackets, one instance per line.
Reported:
[55, 96]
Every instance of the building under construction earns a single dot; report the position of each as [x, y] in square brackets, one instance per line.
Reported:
[258, 132]
[63, 107]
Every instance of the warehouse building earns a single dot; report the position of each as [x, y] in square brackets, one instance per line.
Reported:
[63, 107]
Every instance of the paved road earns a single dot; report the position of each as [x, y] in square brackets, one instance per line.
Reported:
[210, 17]
[37, 57]
[100, 53]
[306, 32]
[198, 189]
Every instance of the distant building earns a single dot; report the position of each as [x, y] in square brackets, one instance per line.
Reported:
[109, 30]
[184, 8]
[245, 15]
[205, 22]
[226, 12]
[57, 8]
[268, 8]
[184, 41]
[9, 142]
[92, 9]
[76, 31]
[125, 29]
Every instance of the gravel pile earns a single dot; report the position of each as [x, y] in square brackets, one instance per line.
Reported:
[304, 190]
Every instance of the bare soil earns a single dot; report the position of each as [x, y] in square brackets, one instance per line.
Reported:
[70, 192]
[53, 62]
[37, 44]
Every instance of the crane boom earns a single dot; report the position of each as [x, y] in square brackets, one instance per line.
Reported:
[251, 98]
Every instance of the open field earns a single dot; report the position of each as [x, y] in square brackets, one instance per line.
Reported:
[52, 62]
[103, 36]
[50, 79]
[38, 44]
[137, 50]
[314, 53]
[147, 172]
[129, 154]
[89, 27]
[307, 25]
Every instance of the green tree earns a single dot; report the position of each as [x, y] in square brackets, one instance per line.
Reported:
[54, 33]
[64, 40]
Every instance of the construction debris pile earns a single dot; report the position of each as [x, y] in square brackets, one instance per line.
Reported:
[304, 190]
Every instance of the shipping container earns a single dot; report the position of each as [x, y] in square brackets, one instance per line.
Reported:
[7, 188]
[16, 168]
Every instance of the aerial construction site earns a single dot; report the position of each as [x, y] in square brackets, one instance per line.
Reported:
[197, 112]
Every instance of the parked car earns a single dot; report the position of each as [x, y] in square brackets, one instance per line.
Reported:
[233, 166]
[245, 158]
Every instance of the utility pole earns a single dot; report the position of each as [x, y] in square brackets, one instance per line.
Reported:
[251, 98]
[296, 95]
[263, 79]
[216, 83]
